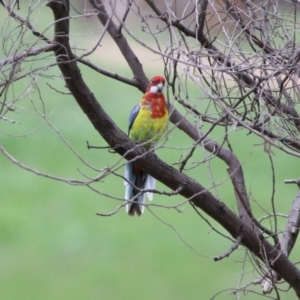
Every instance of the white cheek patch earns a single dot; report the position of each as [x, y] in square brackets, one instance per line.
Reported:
[154, 89]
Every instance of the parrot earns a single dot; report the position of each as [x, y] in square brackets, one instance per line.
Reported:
[148, 122]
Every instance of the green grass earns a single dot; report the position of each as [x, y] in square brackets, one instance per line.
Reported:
[52, 244]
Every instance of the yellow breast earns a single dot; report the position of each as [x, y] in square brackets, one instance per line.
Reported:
[146, 128]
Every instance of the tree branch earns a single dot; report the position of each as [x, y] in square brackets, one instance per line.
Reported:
[232, 68]
[30, 52]
[115, 33]
[230, 250]
[154, 166]
[25, 22]
[235, 171]
[287, 241]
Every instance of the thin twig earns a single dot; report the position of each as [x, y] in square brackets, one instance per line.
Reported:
[230, 250]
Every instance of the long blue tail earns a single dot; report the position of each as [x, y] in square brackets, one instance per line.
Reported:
[137, 180]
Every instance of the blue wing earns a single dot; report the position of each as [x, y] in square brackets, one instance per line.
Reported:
[133, 115]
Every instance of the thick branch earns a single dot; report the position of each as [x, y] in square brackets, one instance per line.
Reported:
[291, 231]
[201, 16]
[155, 167]
[287, 241]
[235, 171]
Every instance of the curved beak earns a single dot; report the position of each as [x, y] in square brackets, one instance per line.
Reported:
[160, 87]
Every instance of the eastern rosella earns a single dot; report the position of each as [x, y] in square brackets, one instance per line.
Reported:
[148, 122]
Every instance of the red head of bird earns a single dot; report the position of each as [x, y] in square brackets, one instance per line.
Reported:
[156, 85]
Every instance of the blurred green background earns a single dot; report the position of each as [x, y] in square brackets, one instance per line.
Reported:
[52, 243]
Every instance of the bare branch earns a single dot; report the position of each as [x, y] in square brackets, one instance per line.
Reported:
[25, 22]
[32, 170]
[287, 241]
[30, 52]
[235, 171]
[154, 166]
[132, 60]
[211, 76]
[132, 82]
[229, 251]
[294, 181]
